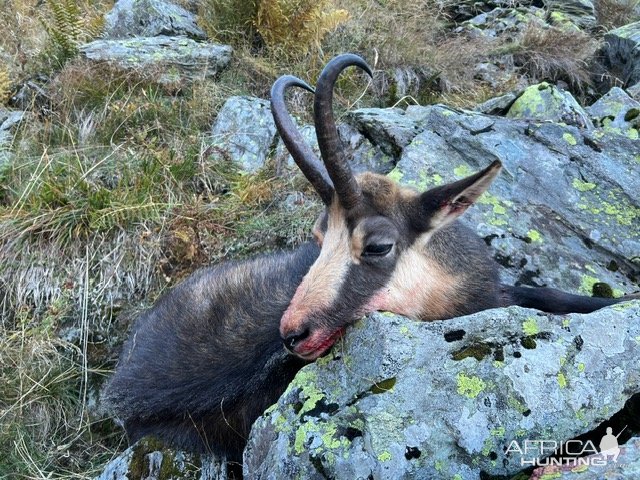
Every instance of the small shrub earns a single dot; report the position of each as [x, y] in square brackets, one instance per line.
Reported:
[296, 26]
[539, 54]
[229, 20]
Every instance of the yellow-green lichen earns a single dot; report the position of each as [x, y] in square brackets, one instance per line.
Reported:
[562, 380]
[570, 139]
[516, 404]
[487, 446]
[396, 175]
[439, 466]
[530, 326]
[329, 439]
[582, 186]
[498, 208]
[535, 236]
[498, 432]
[587, 283]
[470, 386]
[566, 322]
[384, 456]
[581, 367]
[550, 476]
[457, 476]
[531, 103]
[462, 170]
[301, 436]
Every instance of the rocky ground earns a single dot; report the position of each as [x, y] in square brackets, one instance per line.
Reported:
[137, 187]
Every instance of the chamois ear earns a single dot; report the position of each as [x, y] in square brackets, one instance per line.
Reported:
[441, 205]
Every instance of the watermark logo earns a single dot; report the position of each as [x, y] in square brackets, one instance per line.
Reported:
[543, 453]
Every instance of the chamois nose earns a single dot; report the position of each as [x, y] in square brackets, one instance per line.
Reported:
[293, 339]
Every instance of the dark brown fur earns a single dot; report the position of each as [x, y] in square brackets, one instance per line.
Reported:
[206, 360]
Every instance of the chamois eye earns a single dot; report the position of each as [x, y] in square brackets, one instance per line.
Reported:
[377, 249]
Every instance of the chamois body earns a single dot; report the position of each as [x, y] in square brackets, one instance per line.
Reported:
[202, 364]
[207, 359]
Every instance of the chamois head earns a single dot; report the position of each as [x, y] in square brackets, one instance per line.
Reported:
[373, 232]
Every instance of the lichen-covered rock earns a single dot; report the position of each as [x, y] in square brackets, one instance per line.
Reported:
[362, 155]
[8, 120]
[150, 18]
[597, 467]
[616, 110]
[504, 22]
[149, 460]
[245, 131]
[546, 102]
[174, 58]
[389, 128]
[578, 14]
[497, 105]
[565, 212]
[622, 50]
[401, 399]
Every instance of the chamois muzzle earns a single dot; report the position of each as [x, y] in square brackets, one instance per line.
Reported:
[292, 340]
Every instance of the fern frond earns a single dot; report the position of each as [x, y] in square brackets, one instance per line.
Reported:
[296, 26]
[5, 85]
[68, 26]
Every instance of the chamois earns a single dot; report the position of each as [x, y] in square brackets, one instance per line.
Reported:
[207, 359]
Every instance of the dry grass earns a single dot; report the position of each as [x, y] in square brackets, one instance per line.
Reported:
[46, 429]
[539, 55]
[615, 13]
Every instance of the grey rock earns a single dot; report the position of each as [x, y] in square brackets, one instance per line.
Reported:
[10, 118]
[634, 91]
[150, 18]
[578, 14]
[390, 129]
[406, 81]
[504, 22]
[30, 95]
[596, 467]
[174, 58]
[616, 109]
[565, 211]
[245, 131]
[361, 154]
[546, 102]
[401, 399]
[622, 50]
[148, 460]
[497, 105]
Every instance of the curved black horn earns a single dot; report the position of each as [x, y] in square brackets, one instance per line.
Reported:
[345, 184]
[302, 154]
